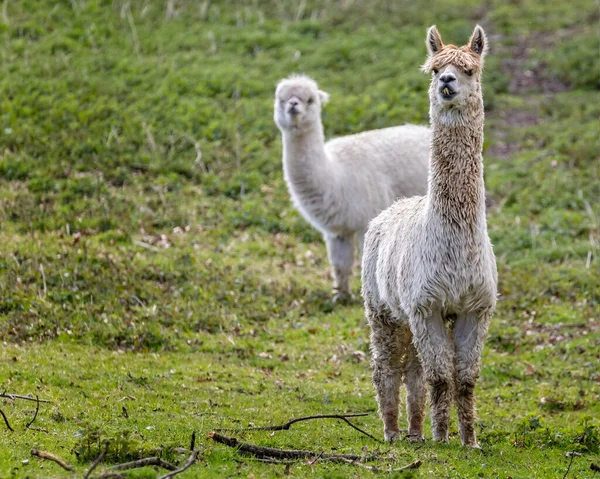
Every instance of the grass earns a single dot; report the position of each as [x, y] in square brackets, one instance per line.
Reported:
[155, 279]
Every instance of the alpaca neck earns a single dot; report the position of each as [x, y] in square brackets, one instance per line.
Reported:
[456, 193]
[305, 164]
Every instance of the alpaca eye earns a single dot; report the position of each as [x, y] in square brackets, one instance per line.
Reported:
[310, 101]
[435, 71]
[469, 72]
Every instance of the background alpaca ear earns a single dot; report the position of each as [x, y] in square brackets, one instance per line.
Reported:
[478, 41]
[323, 97]
[433, 41]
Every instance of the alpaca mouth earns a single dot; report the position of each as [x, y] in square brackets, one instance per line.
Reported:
[293, 112]
[448, 93]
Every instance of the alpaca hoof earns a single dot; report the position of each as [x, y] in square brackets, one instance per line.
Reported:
[392, 436]
[414, 438]
[342, 297]
[473, 445]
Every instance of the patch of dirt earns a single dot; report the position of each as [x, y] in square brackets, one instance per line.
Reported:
[526, 78]
[505, 120]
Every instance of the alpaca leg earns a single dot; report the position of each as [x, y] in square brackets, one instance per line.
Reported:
[415, 393]
[431, 342]
[387, 363]
[340, 250]
[361, 243]
[470, 331]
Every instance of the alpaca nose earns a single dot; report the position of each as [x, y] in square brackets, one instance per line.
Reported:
[293, 103]
[447, 78]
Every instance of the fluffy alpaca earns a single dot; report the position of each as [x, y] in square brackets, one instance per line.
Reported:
[339, 186]
[429, 271]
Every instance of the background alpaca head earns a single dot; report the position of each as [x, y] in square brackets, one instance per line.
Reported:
[298, 103]
[456, 71]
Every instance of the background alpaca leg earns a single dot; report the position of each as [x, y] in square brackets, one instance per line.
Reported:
[431, 342]
[414, 380]
[361, 241]
[387, 357]
[470, 331]
[340, 250]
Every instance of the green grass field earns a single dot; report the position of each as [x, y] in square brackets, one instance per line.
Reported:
[155, 279]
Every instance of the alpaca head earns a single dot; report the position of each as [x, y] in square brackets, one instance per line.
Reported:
[456, 73]
[298, 103]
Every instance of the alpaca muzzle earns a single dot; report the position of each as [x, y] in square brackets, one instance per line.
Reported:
[447, 91]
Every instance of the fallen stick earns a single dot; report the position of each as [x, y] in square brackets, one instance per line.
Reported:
[272, 453]
[6, 421]
[191, 460]
[97, 461]
[51, 457]
[413, 465]
[37, 408]
[147, 461]
[286, 426]
[17, 396]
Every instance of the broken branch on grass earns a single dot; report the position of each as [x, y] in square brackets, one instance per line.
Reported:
[272, 453]
[51, 457]
[286, 426]
[6, 421]
[268, 461]
[413, 465]
[18, 396]
[37, 408]
[191, 460]
[147, 461]
[97, 461]
[572, 455]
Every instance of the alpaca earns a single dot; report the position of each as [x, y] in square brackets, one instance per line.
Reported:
[429, 271]
[339, 186]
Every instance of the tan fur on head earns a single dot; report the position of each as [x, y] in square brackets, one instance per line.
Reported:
[468, 57]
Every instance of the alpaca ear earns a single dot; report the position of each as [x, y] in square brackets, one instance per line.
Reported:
[478, 42]
[433, 41]
[323, 97]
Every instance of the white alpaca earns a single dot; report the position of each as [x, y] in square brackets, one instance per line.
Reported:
[429, 271]
[339, 186]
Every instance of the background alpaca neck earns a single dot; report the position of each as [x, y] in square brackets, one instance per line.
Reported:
[456, 190]
[305, 164]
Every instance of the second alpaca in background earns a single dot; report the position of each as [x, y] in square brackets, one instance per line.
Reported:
[339, 186]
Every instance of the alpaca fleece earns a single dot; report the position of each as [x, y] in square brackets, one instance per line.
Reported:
[429, 271]
[339, 186]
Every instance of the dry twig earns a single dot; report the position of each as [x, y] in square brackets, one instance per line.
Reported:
[272, 453]
[18, 396]
[191, 460]
[6, 421]
[51, 457]
[413, 465]
[572, 455]
[37, 408]
[286, 426]
[97, 461]
[147, 461]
